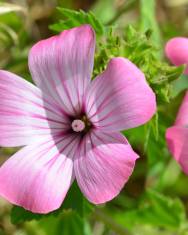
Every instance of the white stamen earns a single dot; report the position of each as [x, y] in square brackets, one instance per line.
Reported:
[78, 125]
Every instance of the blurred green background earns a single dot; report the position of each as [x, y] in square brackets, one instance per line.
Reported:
[160, 211]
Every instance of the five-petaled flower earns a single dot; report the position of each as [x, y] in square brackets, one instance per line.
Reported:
[177, 136]
[176, 50]
[70, 124]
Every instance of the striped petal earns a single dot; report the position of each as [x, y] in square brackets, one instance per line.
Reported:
[62, 65]
[177, 137]
[103, 165]
[25, 115]
[184, 156]
[182, 118]
[177, 51]
[120, 97]
[39, 176]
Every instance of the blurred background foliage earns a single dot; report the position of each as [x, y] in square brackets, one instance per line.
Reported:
[155, 200]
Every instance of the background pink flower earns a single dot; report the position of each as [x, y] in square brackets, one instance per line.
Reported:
[177, 136]
[177, 51]
[69, 124]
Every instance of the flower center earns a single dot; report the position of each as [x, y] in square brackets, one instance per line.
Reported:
[81, 124]
[78, 125]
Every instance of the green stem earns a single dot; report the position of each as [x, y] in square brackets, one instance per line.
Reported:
[129, 4]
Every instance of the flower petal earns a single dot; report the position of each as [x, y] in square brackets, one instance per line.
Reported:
[183, 160]
[177, 137]
[24, 114]
[39, 176]
[120, 97]
[182, 118]
[67, 57]
[177, 51]
[103, 165]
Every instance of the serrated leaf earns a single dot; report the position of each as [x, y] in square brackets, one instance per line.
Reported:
[174, 72]
[77, 18]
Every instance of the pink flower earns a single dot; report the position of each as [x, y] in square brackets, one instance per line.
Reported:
[177, 136]
[70, 125]
[177, 51]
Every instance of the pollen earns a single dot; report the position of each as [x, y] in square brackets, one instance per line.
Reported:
[78, 125]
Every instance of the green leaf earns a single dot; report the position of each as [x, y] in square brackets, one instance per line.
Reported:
[174, 72]
[77, 18]
[70, 223]
[20, 215]
[74, 201]
[109, 10]
[156, 210]
[179, 85]
[65, 224]
[171, 211]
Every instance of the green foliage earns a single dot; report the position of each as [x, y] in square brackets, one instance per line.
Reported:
[108, 10]
[67, 223]
[155, 209]
[148, 20]
[74, 201]
[20, 215]
[14, 39]
[140, 50]
[71, 223]
[179, 85]
[107, 48]
[77, 18]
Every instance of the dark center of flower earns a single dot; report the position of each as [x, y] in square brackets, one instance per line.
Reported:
[81, 124]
